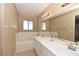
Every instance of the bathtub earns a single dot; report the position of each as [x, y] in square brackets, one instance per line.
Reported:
[24, 41]
[24, 46]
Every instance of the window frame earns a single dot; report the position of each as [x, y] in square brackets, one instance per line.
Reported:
[28, 25]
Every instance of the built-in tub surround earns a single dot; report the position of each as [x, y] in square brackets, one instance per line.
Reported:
[24, 41]
[44, 46]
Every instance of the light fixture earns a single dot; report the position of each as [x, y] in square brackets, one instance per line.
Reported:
[45, 15]
[64, 4]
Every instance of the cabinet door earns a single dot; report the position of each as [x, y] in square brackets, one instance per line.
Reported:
[45, 51]
[37, 47]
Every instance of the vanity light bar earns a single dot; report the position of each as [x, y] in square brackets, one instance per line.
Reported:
[45, 15]
[64, 4]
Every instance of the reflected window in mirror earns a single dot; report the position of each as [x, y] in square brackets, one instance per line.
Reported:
[43, 25]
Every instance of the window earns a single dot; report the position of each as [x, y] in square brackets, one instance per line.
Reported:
[30, 25]
[43, 26]
[27, 25]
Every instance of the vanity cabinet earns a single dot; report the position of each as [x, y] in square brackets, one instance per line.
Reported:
[41, 50]
[45, 47]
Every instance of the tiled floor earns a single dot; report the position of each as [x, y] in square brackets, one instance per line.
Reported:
[27, 53]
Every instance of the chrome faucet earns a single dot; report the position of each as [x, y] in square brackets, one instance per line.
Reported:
[72, 47]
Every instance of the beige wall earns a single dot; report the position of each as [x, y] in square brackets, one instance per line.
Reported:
[10, 28]
[0, 29]
[65, 25]
[22, 17]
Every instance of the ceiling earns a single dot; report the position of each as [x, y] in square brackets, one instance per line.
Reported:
[30, 9]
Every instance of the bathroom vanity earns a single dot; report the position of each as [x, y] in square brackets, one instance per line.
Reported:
[47, 46]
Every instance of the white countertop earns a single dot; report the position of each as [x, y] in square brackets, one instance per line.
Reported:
[58, 47]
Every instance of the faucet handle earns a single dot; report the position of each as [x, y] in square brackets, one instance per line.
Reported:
[77, 43]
